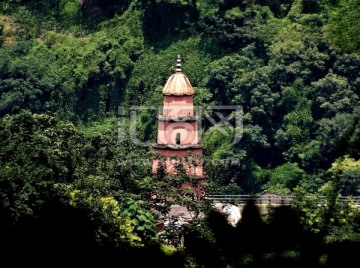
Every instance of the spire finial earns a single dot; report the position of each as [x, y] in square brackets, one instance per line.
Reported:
[178, 64]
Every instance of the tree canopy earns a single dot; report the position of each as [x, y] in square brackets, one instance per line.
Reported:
[80, 89]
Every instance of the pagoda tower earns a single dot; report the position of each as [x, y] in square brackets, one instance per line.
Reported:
[177, 136]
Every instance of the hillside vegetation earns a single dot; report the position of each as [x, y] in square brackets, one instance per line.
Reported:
[66, 66]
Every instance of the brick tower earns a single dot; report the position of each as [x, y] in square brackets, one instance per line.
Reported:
[178, 128]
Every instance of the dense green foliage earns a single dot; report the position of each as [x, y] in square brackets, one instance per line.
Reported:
[66, 66]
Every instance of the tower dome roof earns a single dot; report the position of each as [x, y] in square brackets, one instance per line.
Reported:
[178, 84]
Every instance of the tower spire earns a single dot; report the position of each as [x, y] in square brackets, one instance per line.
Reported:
[178, 64]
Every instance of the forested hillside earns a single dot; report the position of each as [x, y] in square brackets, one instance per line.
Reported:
[66, 66]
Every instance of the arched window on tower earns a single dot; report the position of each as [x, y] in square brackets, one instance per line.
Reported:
[178, 138]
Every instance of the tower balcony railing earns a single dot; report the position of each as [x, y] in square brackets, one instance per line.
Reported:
[178, 146]
[178, 118]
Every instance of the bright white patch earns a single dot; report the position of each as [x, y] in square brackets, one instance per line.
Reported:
[232, 211]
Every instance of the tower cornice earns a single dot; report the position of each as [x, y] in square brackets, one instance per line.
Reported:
[177, 118]
[177, 146]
